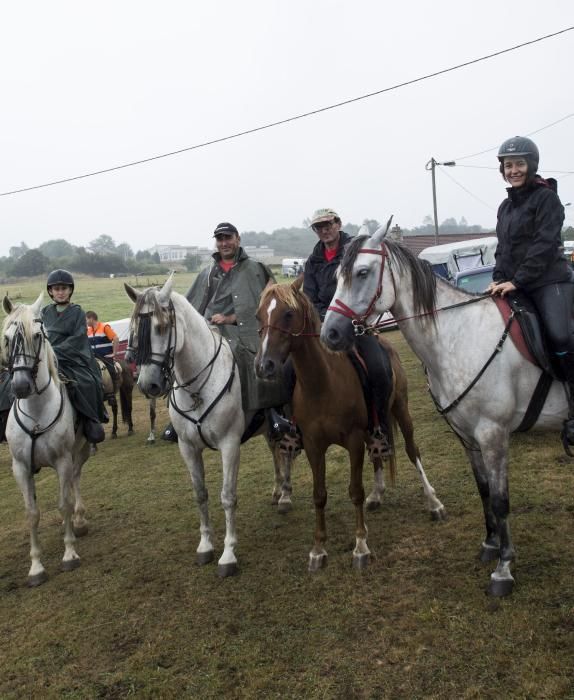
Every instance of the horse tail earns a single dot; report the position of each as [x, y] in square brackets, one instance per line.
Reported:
[126, 392]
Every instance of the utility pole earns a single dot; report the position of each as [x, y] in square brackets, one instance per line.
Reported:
[431, 165]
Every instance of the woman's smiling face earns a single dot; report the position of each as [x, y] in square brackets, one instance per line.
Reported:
[515, 171]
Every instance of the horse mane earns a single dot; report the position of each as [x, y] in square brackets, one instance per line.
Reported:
[294, 299]
[423, 277]
[24, 319]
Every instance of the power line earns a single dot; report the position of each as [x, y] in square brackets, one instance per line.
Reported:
[495, 148]
[456, 182]
[290, 119]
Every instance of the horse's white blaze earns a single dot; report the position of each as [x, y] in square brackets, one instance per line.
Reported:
[270, 309]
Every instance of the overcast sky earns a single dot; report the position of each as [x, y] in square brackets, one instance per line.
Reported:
[87, 86]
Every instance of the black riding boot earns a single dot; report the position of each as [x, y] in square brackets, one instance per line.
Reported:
[169, 433]
[567, 362]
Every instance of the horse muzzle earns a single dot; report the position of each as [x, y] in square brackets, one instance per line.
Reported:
[337, 332]
[22, 384]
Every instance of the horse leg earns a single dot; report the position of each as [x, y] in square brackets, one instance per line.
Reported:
[227, 564]
[79, 522]
[126, 402]
[37, 574]
[361, 553]
[403, 417]
[490, 548]
[65, 469]
[112, 401]
[151, 436]
[495, 459]
[194, 460]
[282, 461]
[375, 498]
[318, 555]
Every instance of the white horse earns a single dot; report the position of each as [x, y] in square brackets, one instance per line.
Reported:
[482, 392]
[178, 352]
[41, 430]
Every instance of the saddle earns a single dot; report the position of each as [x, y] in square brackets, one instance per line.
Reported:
[529, 339]
[528, 334]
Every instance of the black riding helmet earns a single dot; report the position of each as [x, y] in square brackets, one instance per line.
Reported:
[59, 277]
[520, 146]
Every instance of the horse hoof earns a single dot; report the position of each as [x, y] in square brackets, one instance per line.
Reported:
[225, 570]
[373, 506]
[488, 554]
[284, 508]
[70, 564]
[202, 558]
[150, 442]
[80, 530]
[114, 436]
[37, 579]
[439, 515]
[360, 561]
[317, 562]
[131, 431]
[501, 587]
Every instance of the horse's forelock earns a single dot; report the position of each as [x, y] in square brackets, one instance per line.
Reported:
[349, 258]
[293, 299]
[422, 275]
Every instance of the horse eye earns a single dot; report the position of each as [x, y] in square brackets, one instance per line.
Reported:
[361, 274]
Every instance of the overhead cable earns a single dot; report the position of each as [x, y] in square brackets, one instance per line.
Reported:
[290, 119]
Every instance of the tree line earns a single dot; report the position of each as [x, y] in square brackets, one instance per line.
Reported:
[101, 257]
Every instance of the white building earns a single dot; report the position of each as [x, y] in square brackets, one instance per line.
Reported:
[178, 253]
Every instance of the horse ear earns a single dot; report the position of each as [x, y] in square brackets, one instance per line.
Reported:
[133, 294]
[7, 305]
[37, 305]
[165, 292]
[382, 231]
[297, 283]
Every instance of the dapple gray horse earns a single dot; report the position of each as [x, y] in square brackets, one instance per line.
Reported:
[41, 430]
[483, 393]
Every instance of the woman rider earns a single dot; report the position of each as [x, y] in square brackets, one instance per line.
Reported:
[65, 326]
[529, 253]
[320, 284]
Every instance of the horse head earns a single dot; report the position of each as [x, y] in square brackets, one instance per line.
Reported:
[285, 314]
[153, 337]
[24, 348]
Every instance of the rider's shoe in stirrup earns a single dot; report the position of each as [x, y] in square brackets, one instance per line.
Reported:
[94, 431]
[279, 425]
[169, 433]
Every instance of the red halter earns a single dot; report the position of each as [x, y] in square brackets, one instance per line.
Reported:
[341, 308]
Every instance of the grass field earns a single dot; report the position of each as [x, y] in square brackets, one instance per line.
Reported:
[140, 619]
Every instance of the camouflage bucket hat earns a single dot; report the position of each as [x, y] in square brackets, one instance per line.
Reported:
[324, 215]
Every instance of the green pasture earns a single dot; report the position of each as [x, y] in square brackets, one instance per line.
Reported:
[140, 619]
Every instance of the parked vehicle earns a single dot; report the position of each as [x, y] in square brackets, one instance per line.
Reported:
[292, 267]
[449, 259]
[475, 280]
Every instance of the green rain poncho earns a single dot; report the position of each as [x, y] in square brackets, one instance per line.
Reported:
[66, 332]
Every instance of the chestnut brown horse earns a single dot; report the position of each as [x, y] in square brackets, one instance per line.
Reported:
[124, 384]
[329, 407]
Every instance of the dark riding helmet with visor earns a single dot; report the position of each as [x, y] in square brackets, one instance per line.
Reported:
[520, 146]
[59, 277]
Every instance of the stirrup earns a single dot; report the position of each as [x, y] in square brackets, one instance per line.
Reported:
[279, 425]
[378, 445]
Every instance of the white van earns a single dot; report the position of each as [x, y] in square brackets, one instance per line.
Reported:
[450, 258]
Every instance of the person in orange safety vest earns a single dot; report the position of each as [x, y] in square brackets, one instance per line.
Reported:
[104, 341]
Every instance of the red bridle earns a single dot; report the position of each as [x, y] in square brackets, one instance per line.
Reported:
[341, 308]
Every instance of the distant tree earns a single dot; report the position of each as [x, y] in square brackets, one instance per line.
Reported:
[428, 220]
[33, 262]
[155, 258]
[56, 248]
[192, 262]
[463, 223]
[568, 233]
[104, 245]
[18, 251]
[143, 255]
[124, 251]
[371, 224]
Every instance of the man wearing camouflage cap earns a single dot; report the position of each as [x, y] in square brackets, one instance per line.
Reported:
[320, 284]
